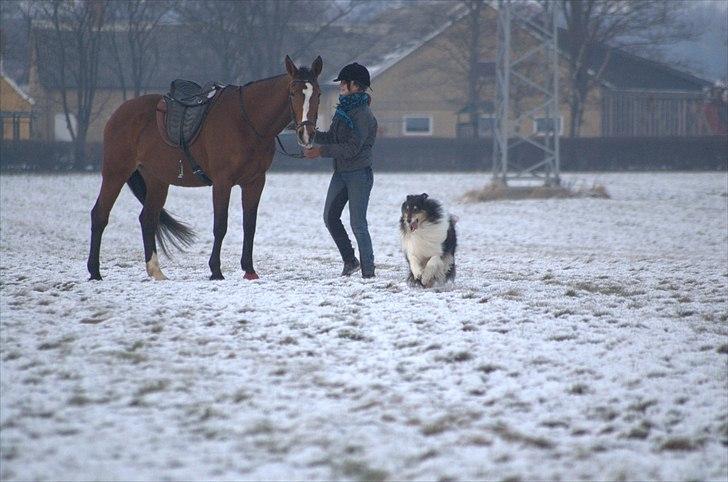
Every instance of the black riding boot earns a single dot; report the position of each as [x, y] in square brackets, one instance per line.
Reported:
[350, 267]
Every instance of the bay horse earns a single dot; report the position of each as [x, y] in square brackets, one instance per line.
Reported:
[235, 146]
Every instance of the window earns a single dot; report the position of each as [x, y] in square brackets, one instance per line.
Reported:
[61, 127]
[486, 125]
[414, 125]
[543, 125]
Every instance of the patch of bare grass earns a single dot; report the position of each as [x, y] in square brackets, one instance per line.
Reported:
[497, 191]
[606, 289]
[680, 444]
[510, 435]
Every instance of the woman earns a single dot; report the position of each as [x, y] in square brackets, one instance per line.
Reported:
[349, 141]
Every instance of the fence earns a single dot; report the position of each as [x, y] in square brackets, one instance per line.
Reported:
[437, 154]
[45, 156]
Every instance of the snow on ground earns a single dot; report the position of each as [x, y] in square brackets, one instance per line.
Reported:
[584, 339]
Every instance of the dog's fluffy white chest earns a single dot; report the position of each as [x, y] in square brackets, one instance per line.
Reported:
[426, 241]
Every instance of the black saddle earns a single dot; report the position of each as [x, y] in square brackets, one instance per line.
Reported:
[190, 94]
[186, 106]
[181, 113]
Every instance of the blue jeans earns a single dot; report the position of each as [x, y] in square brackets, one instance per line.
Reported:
[353, 187]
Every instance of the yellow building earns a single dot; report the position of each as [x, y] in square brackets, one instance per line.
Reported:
[420, 90]
[15, 110]
[421, 87]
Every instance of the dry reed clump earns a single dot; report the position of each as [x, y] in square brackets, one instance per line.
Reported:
[496, 191]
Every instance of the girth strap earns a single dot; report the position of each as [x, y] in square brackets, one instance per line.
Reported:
[188, 116]
[196, 169]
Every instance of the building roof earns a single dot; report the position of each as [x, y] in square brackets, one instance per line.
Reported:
[379, 44]
[624, 71]
[385, 40]
[414, 37]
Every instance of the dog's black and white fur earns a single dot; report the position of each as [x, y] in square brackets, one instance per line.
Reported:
[428, 240]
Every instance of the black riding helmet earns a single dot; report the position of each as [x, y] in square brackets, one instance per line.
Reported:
[356, 72]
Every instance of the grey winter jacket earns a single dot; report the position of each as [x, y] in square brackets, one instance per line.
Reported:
[350, 148]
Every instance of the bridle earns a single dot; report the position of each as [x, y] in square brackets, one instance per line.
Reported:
[290, 105]
[297, 125]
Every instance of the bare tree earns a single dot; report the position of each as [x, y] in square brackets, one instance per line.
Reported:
[223, 27]
[471, 52]
[594, 27]
[133, 41]
[14, 33]
[250, 38]
[68, 39]
[462, 54]
[474, 44]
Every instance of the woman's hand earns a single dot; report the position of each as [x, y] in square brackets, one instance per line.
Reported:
[312, 153]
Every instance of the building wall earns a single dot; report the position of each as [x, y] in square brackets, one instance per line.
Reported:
[430, 82]
[645, 114]
[49, 105]
[15, 111]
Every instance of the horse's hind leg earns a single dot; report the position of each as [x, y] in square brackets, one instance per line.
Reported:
[111, 185]
[149, 219]
[220, 204]
[251, 197]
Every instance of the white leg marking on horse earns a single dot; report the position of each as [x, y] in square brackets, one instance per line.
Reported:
[153, 269]
[307, 93]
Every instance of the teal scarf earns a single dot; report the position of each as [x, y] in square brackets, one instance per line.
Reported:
[349, 102]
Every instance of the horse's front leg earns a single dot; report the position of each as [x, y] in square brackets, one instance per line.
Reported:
[220, 203]
[251, 197]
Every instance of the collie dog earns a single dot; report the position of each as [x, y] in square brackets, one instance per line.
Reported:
[428, 240]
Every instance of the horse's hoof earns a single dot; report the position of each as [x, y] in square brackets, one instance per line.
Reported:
[251, 275]
[95, 277]
[216, 277]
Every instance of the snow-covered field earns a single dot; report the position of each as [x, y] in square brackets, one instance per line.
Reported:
[584, 339]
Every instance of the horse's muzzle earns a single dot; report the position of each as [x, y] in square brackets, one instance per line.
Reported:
[305, 134]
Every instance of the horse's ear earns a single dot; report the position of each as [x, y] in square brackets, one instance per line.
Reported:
[317, 65]
[424, 195]
[291, 67]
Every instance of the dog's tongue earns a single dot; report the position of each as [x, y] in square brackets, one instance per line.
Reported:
[414, 224]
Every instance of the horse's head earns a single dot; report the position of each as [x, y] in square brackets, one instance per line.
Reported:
[304, 93]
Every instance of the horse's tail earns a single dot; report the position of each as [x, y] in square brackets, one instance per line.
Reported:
[169, 229]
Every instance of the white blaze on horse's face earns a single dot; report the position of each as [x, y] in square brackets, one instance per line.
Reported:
[307, 94]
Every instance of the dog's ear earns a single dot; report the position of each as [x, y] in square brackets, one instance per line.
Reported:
[410, 197]
[424, 195]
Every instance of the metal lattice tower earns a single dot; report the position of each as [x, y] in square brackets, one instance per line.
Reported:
[513, 128]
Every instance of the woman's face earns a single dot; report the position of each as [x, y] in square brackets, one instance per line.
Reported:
[344, 88]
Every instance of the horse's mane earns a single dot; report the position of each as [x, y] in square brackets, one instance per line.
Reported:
[263, 80]
[304, 73]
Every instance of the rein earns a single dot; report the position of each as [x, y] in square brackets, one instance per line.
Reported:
[245, 116]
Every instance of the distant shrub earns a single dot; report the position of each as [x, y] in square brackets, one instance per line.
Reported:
[496, 191]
